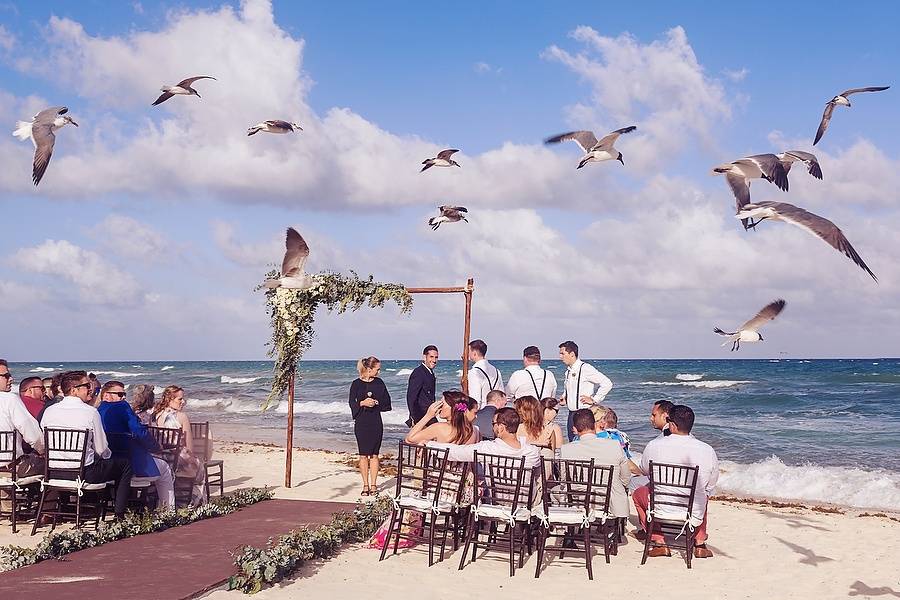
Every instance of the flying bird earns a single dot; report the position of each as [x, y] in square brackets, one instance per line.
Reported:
[841, 100]
[182, 88]
[749, 331]
[812, 223]
[449, 214]
[594, 151]
[42, 131]
[292, 274]
[274, 126]
[759, 166]
[789, 157]
[441, 160]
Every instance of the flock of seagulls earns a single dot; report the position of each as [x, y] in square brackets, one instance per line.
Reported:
[739, 174]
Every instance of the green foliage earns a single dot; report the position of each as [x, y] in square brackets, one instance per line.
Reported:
[59, 543]
[292, 313]
[258, 567]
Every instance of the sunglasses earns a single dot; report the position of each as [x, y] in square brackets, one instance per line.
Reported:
[34, 387]
[119, 394]
[8, 375]
[84, 385]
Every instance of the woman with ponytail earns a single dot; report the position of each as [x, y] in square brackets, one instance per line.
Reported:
[369, 398]
[458, 413]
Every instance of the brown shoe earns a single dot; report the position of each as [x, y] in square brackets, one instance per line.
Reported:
[640, 535]
[659, 551]
[701, 551]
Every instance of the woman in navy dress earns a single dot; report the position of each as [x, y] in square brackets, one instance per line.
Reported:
[369, 398]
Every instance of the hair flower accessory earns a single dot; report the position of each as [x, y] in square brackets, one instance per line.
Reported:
[461, 406]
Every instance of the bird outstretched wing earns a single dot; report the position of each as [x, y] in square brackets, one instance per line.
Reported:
[769, 312]
[585, 139]
[297, 251]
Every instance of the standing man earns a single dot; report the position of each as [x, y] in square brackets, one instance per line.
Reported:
[420, 390]
[584, 385]
[483, 376]
[75, 411]
[532, 380]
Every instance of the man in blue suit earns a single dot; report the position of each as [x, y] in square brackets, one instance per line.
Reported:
[420, 391]
[129, 438]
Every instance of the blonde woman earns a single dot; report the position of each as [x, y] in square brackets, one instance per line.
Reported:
[369, 398]
[169, 413]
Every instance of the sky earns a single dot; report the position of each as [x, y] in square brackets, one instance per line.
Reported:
[153, 225]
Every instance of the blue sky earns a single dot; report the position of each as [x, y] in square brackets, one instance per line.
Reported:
[641, 260]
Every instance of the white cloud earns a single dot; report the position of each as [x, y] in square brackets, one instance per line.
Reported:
[132, 239]
[736, 75]
[7, 39]
[15, 296]
[483, 68]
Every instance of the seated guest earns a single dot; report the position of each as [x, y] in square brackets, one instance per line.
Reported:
[74, 411]
[496, 400]
[680, 448]
[458, 412]
[143, 398]
[533, 428]
[589, 446]
[609, 430]
[505, 442]
[169, 413]
[55, 395]
[95, 389]
[551, 429]
[14, 416]
[129, 438]
[659, 416]
[31, 391]
[47, 382]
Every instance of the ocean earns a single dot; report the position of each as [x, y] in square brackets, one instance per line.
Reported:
[809, 430]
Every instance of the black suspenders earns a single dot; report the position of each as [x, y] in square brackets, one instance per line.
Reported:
[577, 386]
[543, 383]
[493, 385]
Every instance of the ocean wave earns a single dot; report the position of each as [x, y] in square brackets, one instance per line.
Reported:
[711, 384]
[42, 370]
[227, 379]
[404, 372]
[846, 486]
[688, 377]
[158, 389]
[117, 373]
[167, 367]
[394, 417]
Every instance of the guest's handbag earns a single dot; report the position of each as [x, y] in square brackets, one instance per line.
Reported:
[413, 525]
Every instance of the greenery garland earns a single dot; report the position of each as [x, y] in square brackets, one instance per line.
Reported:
[292, 312]
[57, 544]
[258, 567]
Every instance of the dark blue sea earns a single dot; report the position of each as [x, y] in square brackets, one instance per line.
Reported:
[818, 430]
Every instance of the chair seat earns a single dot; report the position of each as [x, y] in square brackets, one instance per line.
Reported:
[424, 504]
[71, 484]
[143, 482]
[674, 516]
[21, 481]
[493, 511]
[215, 463]
[562, 515]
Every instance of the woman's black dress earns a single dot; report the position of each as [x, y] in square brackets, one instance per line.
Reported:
[367, 424]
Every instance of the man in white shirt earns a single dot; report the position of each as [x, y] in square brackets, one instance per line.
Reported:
[15, 417]
[483, 376]
[74, 411]
[584, 385]
[532, 380]
[505, 443]
[680, 448]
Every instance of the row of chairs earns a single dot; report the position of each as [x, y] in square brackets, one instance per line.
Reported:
[496, 503]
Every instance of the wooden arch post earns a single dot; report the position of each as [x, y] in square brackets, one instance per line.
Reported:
[467, 291]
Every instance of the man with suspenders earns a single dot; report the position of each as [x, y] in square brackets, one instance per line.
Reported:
[532, 380]
[584, 385]
[483, 376]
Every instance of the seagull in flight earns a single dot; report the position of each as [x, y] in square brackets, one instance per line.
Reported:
[441, 160]
[182, 88]
[818, 226]
[749, 331]
[841, 99]
[42, 131]
[274, 126]
[594, 151]
[759, 166]
[449, 214]
[292, 274]
[789, 157]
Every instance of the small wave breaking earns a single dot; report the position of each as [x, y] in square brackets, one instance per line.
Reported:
[42, 370]
[167, 368]
[688, 377]
[227, 379]
[711, 384]
[404, 372]
[117, 373]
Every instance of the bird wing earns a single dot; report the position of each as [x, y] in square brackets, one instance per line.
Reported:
[769, 312]
[772, 168]
[446, 154]
[740, 188]
[585, 139]
[186, 83]
[279, 124]
[452, 210]
[44, 139]
[878, 88]
[162, 98]
[823, 124]
[821, 228]
[810, 159]
[609, 139]
[296, 254]
[48, 115]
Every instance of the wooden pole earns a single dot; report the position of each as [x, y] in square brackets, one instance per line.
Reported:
[470, 287]
[289, 444]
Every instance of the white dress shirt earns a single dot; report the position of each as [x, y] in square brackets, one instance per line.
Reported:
[582, 379]
[466, 452]
[689, 451]
[72, 413]
[533, 380]
[15, 417]
[479, 385]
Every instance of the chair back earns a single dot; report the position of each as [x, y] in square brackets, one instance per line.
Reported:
[672, 489]
[66, 451]
[169, 441]
[457, 485]
[420, 471]
[200, 438]
[502, 481]
[9, 451]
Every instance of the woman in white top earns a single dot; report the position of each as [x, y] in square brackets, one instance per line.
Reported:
[169, 413]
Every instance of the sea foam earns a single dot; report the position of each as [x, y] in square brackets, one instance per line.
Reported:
[42, 370]
[393, 417]
[688, 377]
[117, 373]
[711, 384]
[227, 379]
[167, 367]
[404, 372]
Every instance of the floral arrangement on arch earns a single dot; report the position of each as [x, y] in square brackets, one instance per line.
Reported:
[292, 312]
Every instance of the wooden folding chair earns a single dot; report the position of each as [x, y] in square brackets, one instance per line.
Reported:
[18, 489]
[672, 497]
